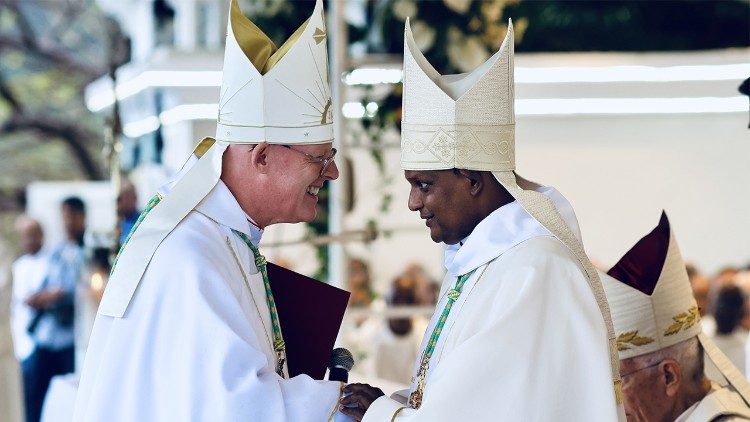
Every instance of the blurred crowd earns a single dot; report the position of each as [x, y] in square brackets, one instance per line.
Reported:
[725, 311]
[385, 346]
[56, 289]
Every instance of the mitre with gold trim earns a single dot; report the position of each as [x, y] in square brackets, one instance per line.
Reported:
[467, 121]
[650, 296]
[276, 95]
[268, 94]
[652, 302]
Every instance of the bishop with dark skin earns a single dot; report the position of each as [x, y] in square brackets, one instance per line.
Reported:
[452, 203]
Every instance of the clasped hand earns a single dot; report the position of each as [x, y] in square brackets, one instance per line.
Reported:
[357, 399]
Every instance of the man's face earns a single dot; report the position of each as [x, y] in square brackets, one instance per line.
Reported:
[443, 200]
[31, 237]
[643, 393]
[403, 294]
[297, 180]
[126, 201]
[74, 222]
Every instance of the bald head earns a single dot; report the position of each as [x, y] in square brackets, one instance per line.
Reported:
[30, 233]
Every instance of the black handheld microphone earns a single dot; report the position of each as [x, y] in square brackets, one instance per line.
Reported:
[340, 364]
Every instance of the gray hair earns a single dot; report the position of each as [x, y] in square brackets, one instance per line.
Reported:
[688, 354]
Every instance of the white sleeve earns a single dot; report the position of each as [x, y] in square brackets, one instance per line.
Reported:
[189, 349]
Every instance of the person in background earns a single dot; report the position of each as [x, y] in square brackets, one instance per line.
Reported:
[28, 272]
[701, 286]
[730, 337]
[50, 325]
[427, 289]
[433, 294]
[11, 393]
[725, 276]
[127, 210]
[742, 280]
[397, 343]
[359, 284]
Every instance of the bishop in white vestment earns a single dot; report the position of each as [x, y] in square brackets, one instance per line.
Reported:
[661, 343]
[521, 331]
[187, 329]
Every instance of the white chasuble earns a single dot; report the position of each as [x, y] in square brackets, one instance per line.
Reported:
[524, 341]
[196, 341]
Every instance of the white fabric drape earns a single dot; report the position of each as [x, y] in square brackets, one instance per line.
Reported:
[195, 343]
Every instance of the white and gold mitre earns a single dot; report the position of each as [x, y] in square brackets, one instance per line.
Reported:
[653, 306]
[458, 121]
[467, 121]
[276, 95]
[272, 95]
[650, 297]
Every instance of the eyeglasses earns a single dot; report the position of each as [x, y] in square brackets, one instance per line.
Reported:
[641, 369]
[326, 160]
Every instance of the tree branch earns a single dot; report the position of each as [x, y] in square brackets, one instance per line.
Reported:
[27, 32]
[74, 137]
[9, 96]
[30, 43]
[55, 57]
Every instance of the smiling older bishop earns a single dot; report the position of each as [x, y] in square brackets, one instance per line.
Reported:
[188, 329]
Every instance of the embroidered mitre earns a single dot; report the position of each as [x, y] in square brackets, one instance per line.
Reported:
[467, 121]
[268, 94]
[653, 306]
[650, 297]
[276, 95]
[458, 121]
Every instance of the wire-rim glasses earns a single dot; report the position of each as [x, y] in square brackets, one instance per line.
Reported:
[326, 160]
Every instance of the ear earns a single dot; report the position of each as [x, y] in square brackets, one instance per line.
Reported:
[671, 376]
[475, 180]
[259, 157]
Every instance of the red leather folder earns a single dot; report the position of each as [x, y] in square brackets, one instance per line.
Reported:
[310, 313]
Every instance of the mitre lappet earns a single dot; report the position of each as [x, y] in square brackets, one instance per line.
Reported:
[278, 95]
[653, 306]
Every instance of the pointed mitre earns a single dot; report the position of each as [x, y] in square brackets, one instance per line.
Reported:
[268, 94]
[652, 302]
[650, 296]
[458, 121]
[467, 121]
[276, 95]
